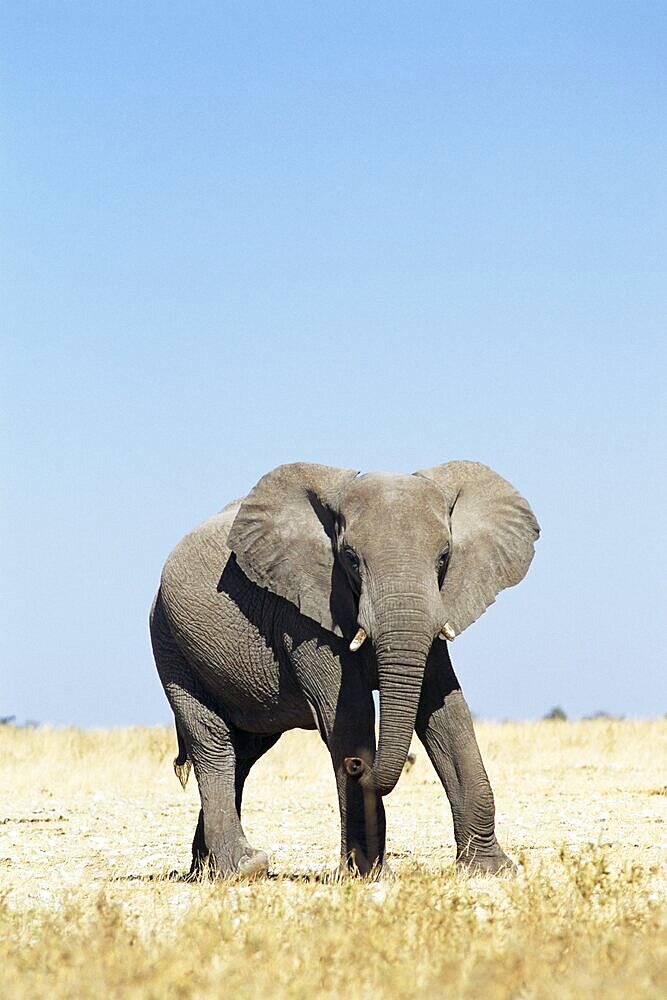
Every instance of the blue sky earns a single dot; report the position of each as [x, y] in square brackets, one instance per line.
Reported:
[372, 235]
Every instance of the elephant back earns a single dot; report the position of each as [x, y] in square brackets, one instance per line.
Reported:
[192, 571]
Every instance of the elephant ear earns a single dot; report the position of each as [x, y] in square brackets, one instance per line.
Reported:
[493, 533]
[283, 538]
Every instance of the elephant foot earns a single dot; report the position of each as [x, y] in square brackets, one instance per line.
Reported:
[357, 864]
[253, 865]
[248, 864]
[475, 861]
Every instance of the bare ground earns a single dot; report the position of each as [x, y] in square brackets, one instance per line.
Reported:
[95, 833]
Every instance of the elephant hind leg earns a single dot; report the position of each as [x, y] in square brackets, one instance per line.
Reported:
[249, 749]
[210, 745]
[200, 852]
[219, 836]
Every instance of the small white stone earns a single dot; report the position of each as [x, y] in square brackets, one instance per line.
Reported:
[378, 893]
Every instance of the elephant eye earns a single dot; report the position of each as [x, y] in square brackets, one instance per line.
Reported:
[443, 559]
[351, 556]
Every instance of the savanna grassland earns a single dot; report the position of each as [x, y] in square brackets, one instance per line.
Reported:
[95, 837]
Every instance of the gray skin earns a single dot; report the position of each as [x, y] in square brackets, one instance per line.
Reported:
[252, 624]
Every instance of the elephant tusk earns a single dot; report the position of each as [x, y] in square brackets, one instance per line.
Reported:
[358, 641]
[447, 632]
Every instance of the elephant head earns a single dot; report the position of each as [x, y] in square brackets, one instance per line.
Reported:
[403, 558]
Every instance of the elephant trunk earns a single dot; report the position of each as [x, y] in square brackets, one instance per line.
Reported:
[402, 644]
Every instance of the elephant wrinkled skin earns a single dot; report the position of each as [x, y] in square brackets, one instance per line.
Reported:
[252, 626]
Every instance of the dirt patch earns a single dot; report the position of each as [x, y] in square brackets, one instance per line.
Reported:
[95, 834]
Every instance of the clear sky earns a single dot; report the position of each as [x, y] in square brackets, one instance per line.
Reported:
[380, 235]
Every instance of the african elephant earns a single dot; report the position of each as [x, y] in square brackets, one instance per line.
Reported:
[259, 626]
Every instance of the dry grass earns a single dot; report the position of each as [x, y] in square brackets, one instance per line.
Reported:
[91, 825]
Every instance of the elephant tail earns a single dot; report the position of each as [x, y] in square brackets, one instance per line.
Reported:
[182, 762]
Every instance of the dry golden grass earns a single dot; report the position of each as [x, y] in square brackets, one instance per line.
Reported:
[91, 825]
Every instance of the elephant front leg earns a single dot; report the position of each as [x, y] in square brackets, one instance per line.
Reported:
[352, 746]
[444, 726]
[362, 818]
[340, 693]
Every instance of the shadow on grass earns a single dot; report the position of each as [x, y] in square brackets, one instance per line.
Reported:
[323, 877]
[320, 878]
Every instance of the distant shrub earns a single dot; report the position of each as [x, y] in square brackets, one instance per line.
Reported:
[556, 713]
[10, 720]
[603, 715]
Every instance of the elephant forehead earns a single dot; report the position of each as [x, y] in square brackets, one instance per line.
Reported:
[380, 500]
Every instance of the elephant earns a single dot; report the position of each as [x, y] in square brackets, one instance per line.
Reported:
[292, 605]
